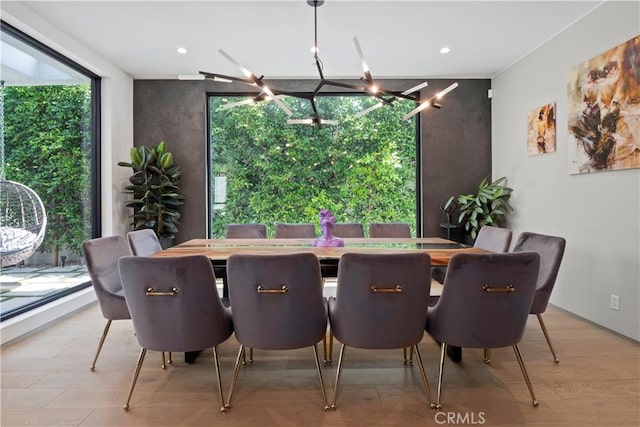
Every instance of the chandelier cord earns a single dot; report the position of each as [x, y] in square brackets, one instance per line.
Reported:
[315, 28]
[316, 49]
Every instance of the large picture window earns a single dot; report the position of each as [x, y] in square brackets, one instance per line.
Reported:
[266, 171]
[51, 145]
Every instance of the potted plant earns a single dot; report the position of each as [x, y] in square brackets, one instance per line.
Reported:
[155, 191]
[488, 206]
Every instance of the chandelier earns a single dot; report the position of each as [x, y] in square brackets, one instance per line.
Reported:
[368, 86]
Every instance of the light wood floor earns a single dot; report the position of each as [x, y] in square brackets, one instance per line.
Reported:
[46, 382]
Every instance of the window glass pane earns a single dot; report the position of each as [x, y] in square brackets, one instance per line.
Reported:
[264, 170]
[49, 148]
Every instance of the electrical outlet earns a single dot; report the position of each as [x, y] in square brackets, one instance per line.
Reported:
[615, 302]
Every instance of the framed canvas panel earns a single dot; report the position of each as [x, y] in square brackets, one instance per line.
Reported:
[604, 111]
[541, 130]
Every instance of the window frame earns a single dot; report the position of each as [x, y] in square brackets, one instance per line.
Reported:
[209, 189]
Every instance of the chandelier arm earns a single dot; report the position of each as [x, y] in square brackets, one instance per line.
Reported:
[399, 95]
[344, 85]
[365, 68]
[422, 106]
[359, 89]
[216, 76]
[319, 66]
[316, 114]
[281, 104]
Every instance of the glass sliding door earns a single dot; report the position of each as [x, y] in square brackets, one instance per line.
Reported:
[51, 145]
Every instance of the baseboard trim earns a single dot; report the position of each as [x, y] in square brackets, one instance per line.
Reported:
[594, 324]
[37, 318]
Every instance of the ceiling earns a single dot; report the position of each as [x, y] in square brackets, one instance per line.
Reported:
[400, 39]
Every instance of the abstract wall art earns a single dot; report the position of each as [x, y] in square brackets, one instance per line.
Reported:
[541, 130]
[604, 111]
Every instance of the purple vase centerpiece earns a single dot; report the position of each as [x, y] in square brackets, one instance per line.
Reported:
[327, 221]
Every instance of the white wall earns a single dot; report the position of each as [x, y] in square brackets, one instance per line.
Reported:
[117, 108]
[598, 213]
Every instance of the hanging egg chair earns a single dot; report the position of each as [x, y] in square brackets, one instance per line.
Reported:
[23, 219]
[23, 222]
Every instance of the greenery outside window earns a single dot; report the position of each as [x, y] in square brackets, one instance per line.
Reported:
[264, 170]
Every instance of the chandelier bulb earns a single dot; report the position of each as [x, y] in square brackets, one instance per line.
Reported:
[447, 90]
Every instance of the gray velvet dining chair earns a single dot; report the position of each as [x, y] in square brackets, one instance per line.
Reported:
[277, 305]
[381, 303]
[389, 229]
[295, 231]
[485, 303]
[245, 231]
[348, 230]
[175, 307]
[551, 250]
[101, 257]
[494, 239]
[144, 242]
[399, 230]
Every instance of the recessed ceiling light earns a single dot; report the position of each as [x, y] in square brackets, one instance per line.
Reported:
[182, 51]
[445, 50]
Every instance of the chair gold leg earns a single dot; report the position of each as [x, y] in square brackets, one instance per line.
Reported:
[330, 347]
[324, 349]
[327, 345]
[443, 354]
[170, 361]
[244, 356]
[234, 378]
[319, 370]
[424, 376]
[546, 335]
[102, 338]
[487, 356]
[534, 402]
[143, 352]
[216, 363]
[409, 360]
[164, 365]
[338, 375]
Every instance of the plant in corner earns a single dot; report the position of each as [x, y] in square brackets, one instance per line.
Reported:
[489, 206]
[155, 191]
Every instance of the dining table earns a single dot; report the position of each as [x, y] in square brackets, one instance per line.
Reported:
[219, 250]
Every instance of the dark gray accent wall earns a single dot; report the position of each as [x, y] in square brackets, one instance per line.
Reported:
[456, 147]
[456, 139]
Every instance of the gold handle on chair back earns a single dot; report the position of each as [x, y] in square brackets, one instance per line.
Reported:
[152, 292]
[508, 288]
[395, 290]
[282, 290]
